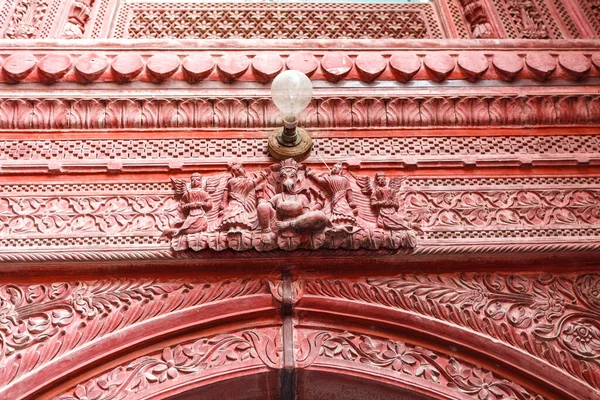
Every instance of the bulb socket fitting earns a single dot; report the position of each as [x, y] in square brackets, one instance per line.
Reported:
[289, 135]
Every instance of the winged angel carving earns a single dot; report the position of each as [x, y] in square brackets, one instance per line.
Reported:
[288, 206]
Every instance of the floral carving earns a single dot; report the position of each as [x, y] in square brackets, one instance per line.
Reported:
[402, 358]
[522, 207]
[552, 317]
[582, 337]
[173, 363]
[35, 319]
[87, 214]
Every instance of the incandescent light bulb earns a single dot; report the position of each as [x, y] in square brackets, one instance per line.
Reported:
[291, 92]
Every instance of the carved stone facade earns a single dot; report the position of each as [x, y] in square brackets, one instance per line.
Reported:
[436, 19]
[440, 241]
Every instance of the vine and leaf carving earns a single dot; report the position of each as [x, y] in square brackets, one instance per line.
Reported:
[403, 358]
[509, 207]
[177, 362]
[86, 214]
[41, 322]
[555, 318]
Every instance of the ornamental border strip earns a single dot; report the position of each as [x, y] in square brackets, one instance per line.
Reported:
[89, 65]
[361, 111]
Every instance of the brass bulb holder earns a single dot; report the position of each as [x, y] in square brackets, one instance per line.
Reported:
[290, 141]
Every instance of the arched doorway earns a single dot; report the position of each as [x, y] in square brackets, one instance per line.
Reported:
[301, 337]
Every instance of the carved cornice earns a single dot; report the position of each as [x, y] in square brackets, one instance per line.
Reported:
[228, 62]
[552, 317]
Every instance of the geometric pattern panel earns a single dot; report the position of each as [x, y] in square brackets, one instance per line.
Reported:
[591, 9]
[535, 19]
[377, 147]
[144, 20]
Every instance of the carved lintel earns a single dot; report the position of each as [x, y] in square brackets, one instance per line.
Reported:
[289, 207]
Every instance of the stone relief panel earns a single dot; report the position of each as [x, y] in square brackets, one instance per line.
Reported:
[553, 317]
[536, 19]
[42, 322]
[261, 20]
[289, 206]
[342, 209]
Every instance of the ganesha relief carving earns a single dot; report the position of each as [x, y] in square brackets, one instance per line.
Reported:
[288, 206]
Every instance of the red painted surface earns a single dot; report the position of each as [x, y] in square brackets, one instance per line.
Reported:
[440, 242]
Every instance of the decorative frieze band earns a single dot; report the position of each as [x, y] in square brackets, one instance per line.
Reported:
[455, 215]
[392, 112]
[100, 67]
[419, 151]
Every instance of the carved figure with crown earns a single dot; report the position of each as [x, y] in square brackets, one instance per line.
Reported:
[290, 211]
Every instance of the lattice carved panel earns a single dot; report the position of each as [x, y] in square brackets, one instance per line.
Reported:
[535, 19]
[139, 20]
[591, 9]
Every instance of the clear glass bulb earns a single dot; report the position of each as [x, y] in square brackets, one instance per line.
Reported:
[291, 92]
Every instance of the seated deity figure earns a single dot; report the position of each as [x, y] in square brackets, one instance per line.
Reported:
[238, 207]
[343, 208]
[195, 203]
[289, 209]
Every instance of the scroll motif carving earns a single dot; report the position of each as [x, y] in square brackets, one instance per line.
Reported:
[175, 363]
[70, 215]
[396, 205]
[552, 317]
[288, 206]
[403, 358]
[41, 322]
[510, 207]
